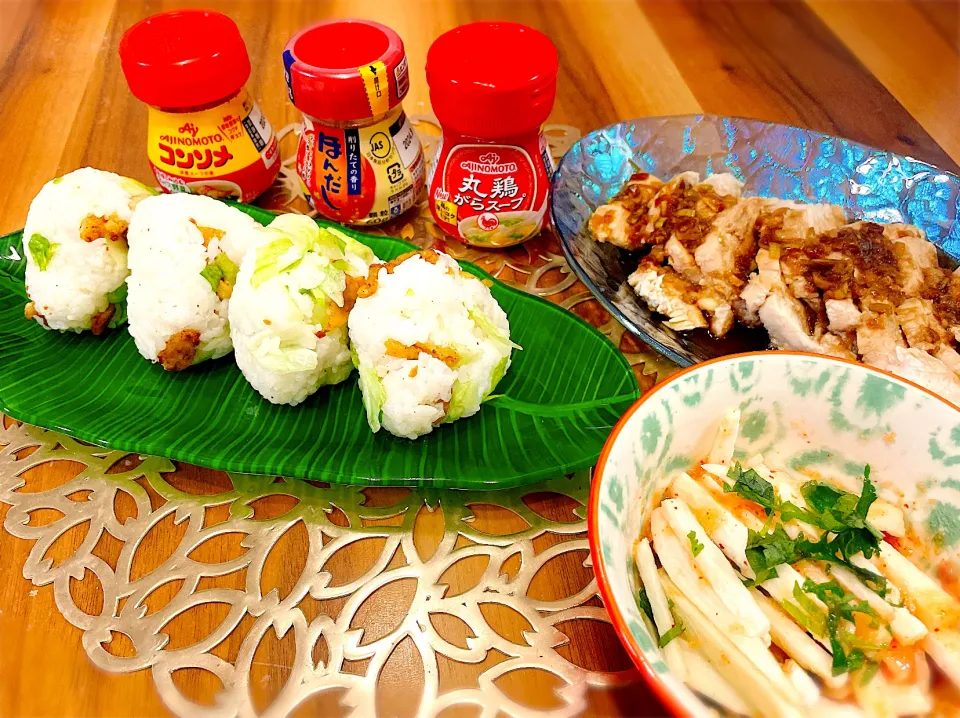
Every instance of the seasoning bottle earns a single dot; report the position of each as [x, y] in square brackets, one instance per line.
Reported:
[359, 159]
[492, 86]
[205, 134]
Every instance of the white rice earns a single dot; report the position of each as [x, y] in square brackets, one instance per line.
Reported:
[434, 305]
[286, 339]
[167, 295]
[70, 283]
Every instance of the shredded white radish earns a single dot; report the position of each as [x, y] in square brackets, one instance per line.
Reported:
[700, 535]
[797, 644]
[767, 691]
[703, 677]
[907, 628]
[711, 562]
[721, 526]
[805, 685]
[722, 451]
[662, 617]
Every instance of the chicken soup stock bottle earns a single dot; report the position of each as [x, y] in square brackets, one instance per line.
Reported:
[492, 86]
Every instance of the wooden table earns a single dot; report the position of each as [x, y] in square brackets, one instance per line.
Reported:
[885, 73]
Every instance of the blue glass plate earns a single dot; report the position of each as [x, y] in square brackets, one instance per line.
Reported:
[774, 161]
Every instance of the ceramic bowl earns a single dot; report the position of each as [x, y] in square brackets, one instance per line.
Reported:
[801, 411]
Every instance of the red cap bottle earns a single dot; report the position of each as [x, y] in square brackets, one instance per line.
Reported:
[206, 135]
[492, 86]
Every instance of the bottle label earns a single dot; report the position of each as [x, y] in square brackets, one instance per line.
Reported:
[227, 151]
[364, 175]
[490, 195]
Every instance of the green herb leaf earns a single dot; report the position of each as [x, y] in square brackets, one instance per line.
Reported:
[767, 551]
[750, 485]
[869, 671]
[645, 606]
[213, 274]
[42, 250]
[678, 628]
[694, 544]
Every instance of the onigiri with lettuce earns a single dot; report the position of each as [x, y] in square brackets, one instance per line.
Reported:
[185, 252]
[75, 243]
[288, 313]
[430, 342]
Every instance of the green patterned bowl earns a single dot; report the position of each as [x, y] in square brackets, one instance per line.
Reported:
[799, 410]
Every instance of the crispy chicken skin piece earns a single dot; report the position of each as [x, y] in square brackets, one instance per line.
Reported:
[180, 350]
[111, 228]
[668, 293]
[622, 221]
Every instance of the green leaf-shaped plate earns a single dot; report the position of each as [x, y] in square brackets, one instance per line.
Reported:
[557, 404]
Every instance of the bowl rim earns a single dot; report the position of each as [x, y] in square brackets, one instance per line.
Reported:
[566, 242]
[670, 699]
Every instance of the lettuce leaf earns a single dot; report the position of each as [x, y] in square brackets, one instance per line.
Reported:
[132, 186]
[42, 250]
[285, 354]
[118, 298]
[498, 373]
[266, 265]
[374, 395]
[302, 231]
[349, 244]
[490, 330]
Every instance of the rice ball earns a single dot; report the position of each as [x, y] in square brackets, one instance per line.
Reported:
[430, 342]
[75, 243]
[185, 252]
[288, 313]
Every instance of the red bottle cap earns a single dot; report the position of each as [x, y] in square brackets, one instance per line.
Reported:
[492, 79]
[325, 66]
[184, 58]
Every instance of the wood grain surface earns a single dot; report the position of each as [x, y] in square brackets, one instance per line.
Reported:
[884, 73]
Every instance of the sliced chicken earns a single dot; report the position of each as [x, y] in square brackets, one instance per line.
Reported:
[623, 220]
[788, 222]
[767, 278]
[681, 259]
[916, 256]
[668, 293]
[923, 369]
[726, 257]
[785, 319]
[949, 356]
[685, 208]
[842, 315]
[920, 326]
[878, 335]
